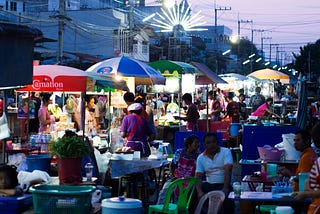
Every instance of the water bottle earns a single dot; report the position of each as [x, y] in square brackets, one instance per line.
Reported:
[94, 132]
[89, 168]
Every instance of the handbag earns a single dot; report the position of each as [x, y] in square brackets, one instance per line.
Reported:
[4, 129]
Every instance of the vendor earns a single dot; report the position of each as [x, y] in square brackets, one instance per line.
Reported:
[43, 113]
[192, 113]
[136, 130]
[264, 109]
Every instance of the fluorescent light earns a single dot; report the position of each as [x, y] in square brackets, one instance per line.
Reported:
[267, 63]
[246, 62]
[259, 59]
[274, 66]
[252, 55]
[226, 52]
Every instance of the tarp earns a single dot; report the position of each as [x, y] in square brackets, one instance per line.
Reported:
[207, 76]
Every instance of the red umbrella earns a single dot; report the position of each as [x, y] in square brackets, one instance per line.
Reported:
[53, 78]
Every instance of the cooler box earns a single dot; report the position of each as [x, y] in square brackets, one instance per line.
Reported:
[121, 205]
[61, 199]
[15, 204]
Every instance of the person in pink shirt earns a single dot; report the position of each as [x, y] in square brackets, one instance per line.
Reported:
[43, 113]
[264, 109]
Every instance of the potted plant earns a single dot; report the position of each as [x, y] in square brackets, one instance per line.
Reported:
[69, 151]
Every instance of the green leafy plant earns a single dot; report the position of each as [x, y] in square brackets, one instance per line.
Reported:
[70, 147]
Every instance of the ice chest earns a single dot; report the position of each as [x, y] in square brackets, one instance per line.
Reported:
[15, 204]
[121, 205]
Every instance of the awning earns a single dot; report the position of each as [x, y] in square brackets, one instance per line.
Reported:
[208, 76]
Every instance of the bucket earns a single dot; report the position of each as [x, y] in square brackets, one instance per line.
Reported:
[234, 129]
[121, 205]
[39, 162]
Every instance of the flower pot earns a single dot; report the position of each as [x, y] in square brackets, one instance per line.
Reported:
[69, 170]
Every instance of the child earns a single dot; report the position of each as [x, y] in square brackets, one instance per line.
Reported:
[9, 181]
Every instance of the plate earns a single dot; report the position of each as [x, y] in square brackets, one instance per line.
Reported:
[282, 195]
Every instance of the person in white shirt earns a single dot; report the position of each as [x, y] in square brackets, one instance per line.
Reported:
[216, 163]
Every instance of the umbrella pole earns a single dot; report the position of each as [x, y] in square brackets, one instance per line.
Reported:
[207, 100]
[83, 114]
[109, 118]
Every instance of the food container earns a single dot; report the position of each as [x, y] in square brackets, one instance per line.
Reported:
[121, 205]
[269, 153]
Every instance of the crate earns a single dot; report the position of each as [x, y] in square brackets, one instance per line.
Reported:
[62, 199]
[15, 204]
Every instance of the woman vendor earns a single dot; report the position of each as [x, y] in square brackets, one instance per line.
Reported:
[264, 109]
[136, 130]
[43, 113]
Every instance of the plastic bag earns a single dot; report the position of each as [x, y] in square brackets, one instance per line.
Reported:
[288, 144]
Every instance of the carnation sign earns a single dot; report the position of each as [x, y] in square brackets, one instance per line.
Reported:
[57, 78]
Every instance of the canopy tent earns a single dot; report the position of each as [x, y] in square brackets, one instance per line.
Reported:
[233, 76]
[269, 74]
[207, 76]
[173, 68]
[128, 67]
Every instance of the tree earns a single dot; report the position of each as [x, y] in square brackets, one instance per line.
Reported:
[308, 61]
[245, 49]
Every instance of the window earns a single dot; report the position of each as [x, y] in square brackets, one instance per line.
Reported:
[13, 6]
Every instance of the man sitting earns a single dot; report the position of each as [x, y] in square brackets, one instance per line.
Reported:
[302, 143]
[216, 163]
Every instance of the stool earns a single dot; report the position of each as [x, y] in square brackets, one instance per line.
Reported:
[265, 209]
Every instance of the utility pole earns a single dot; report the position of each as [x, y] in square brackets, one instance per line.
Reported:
[262, 39]
[62, 10]
[271, 50]
[216, 9]
[239, 22]
[131, 25]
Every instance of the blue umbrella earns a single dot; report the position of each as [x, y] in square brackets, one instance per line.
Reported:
[128, 67]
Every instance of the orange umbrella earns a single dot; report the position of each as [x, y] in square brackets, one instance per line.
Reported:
[269, 74]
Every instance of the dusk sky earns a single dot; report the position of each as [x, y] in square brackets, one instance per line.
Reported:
[290, 23]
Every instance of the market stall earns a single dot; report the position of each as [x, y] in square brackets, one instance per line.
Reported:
[134, 73]
[180, 79]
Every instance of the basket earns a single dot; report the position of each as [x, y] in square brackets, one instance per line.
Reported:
[61, 199]
[270, 154]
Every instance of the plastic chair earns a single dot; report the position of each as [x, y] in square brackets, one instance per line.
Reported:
[215, 198]
[183, 200]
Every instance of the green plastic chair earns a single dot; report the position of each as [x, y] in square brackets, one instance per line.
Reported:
[183, 200]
